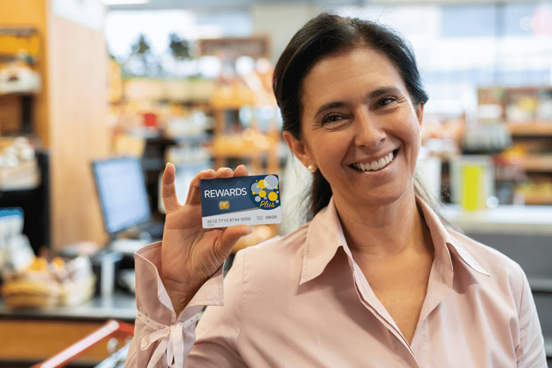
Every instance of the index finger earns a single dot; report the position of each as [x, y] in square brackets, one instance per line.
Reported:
[241, 170]
[168, 188]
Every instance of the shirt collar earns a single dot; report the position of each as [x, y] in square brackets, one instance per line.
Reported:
[325, 236]
[444, 243]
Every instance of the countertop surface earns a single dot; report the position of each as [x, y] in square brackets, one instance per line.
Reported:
[530, 220]
[119, 306]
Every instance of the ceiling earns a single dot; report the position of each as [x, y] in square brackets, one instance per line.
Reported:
[245, 4]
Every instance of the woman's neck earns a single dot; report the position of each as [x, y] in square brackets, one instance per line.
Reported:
[384, 233]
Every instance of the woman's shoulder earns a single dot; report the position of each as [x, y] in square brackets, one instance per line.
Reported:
[499, 266]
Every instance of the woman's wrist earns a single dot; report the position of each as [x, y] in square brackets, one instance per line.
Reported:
[180, 293]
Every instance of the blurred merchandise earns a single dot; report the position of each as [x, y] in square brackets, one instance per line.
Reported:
[487, 138]
[193, 125]
[139, 89]
[16, 253]
[150, 120]
[185, 155]
[19, 47]
[232, 95]
[443, 127]
[18, 77]
[535, 193]
[524, 169]
[472, 181]
[527, 105]
[509, 172]
[31, 281]
[46, 283]
[128, 145]
[18, 165]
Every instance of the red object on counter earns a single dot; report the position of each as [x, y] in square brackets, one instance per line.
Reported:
[111, 328]
[150, 120]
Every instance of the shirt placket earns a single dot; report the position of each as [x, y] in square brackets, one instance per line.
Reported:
[371, 302]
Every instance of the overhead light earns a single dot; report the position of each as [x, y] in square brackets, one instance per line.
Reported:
[125, 2]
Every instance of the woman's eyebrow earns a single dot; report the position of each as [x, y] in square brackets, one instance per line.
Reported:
[330, 105]
[383, 90]
[374, 94]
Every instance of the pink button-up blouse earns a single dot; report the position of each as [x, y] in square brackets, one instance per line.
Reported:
[302, 301]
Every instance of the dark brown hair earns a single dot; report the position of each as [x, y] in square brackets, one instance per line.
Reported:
[328, 35]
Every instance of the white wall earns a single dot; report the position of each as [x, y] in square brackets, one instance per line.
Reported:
[280, 22]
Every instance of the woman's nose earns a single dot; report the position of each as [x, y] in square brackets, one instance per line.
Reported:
[368, 133]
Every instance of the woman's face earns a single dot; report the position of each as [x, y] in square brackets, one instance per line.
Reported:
[357, 114]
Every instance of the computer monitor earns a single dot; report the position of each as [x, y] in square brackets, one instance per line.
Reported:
[122, 193]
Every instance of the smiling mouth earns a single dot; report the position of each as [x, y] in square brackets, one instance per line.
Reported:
[375, 165]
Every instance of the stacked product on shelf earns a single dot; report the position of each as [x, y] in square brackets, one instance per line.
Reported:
[527, 114]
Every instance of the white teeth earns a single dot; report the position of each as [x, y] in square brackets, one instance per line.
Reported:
[374, 165]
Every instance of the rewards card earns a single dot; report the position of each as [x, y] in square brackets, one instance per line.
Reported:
[251, 200]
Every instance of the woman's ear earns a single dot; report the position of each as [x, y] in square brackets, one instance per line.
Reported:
[419, 112]
[299, 149]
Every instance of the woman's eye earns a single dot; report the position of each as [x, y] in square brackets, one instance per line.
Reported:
[332, 119]
[386, 101]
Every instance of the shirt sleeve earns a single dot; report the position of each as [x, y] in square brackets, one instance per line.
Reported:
[162, 339]
[530, 351]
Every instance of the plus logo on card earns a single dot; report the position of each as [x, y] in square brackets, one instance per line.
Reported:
[265, 192]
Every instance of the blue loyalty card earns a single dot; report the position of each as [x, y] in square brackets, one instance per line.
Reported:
[251, 200]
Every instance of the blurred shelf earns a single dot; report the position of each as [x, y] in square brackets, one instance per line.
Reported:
[119, 306]
[239, 154]
[538, 199]
[534, 129]
[538, 163]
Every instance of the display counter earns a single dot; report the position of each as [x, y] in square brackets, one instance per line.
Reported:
[33, 335]
[505, 219]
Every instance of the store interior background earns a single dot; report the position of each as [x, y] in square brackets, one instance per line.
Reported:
[189, 82]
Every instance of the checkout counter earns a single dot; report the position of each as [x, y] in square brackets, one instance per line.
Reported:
[34, 335]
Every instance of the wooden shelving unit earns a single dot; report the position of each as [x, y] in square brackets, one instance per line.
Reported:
[534, 129]
[538, 163]
[526, 113]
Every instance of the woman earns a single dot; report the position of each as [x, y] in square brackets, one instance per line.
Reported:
[374, 280]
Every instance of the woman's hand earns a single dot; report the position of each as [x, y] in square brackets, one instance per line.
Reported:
[191, 254]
